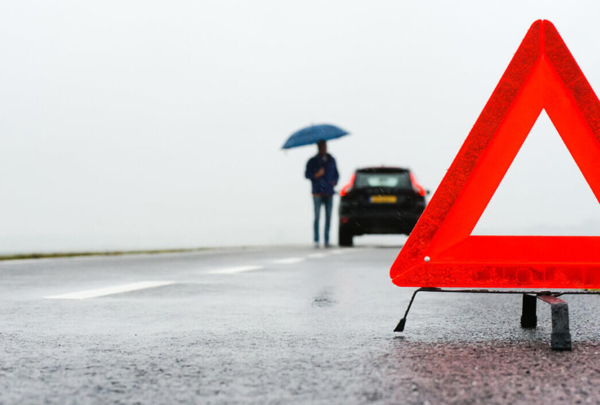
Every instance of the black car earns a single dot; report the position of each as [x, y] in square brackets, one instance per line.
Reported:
[380, 200]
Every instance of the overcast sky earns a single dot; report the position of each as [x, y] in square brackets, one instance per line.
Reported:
[158, 124]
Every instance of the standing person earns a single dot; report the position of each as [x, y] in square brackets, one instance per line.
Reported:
[322, 171]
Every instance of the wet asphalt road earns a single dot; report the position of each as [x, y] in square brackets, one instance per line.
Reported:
[275, 326]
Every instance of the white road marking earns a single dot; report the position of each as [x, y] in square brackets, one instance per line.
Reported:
[289, 260]
[101, 292]
[235, 270]
[22, 261]
[317, 255]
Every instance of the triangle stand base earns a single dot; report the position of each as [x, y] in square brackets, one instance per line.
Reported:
[560, 338]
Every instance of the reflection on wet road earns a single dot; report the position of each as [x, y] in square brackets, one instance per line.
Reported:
[274, 325]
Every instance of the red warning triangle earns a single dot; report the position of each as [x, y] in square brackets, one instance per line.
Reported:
[441, 252]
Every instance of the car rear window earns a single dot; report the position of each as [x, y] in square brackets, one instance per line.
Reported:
[387, 180]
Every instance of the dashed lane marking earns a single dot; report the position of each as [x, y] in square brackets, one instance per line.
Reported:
[102, 292]
[235, 270]
[289, 260]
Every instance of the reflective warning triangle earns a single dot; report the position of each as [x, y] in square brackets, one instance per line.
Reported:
[441, 252]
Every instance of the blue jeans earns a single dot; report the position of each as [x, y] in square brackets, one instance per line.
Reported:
[326, 200]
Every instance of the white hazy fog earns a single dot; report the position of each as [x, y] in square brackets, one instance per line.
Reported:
[158, 124]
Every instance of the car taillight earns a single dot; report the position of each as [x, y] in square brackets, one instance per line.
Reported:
[348, 186]
[418, 188]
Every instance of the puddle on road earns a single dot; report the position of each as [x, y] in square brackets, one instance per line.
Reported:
[325, 298]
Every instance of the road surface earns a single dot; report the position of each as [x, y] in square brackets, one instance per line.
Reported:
[292, 325]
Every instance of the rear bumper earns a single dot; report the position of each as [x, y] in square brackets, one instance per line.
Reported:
[373, 223]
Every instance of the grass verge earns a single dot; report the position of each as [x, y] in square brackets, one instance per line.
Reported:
[79, 254]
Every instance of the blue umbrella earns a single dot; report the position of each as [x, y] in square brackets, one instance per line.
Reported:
[313, 134]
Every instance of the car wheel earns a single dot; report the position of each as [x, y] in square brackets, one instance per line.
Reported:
[345, 238]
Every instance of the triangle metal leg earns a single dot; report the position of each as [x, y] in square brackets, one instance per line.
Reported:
[561, 334]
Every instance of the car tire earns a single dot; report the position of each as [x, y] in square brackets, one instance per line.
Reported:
[345, 238]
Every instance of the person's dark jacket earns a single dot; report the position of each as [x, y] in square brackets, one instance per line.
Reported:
[324, 184]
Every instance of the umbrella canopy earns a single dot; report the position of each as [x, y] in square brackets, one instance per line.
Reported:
[313, 134]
